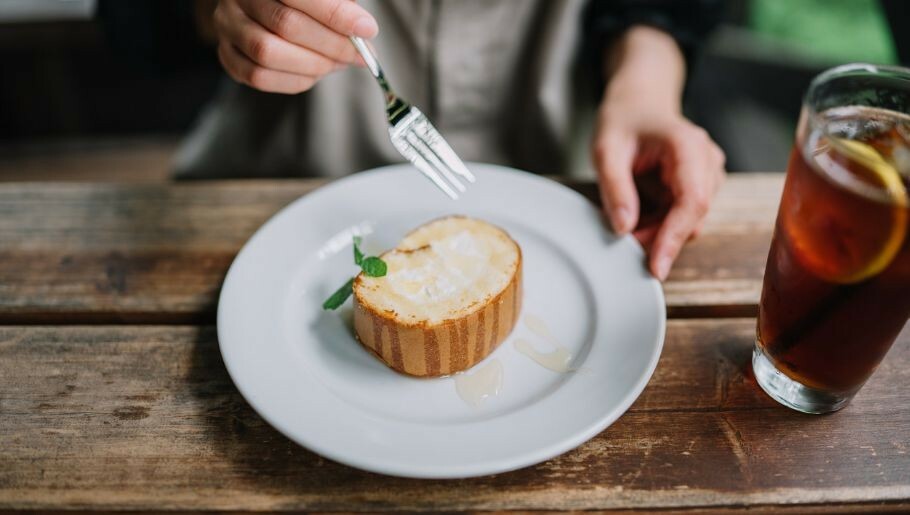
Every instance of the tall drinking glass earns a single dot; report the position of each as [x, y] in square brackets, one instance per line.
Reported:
[836, 290]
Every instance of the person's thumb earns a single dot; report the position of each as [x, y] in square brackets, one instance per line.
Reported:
[342, 16]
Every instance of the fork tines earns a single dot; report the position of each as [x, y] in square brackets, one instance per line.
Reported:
[417, 140]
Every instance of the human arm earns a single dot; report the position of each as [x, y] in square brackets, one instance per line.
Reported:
[640, 129]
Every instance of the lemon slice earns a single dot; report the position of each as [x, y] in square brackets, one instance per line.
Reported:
[880, 168]
[888, 178]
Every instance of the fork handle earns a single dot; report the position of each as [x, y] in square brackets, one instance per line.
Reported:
[395, 108]
[370, 58]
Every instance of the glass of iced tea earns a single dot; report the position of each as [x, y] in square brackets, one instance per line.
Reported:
[836, 291]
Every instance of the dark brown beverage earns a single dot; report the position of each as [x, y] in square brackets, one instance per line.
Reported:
[837, 286]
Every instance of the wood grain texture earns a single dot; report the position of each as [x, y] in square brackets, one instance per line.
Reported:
[146, 418]
[141, 159]
[107, 253]
[720, 272]
[126, 253]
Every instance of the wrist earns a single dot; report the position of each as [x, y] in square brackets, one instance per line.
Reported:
[646, 68]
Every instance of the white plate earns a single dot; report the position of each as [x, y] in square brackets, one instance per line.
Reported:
[303, 372]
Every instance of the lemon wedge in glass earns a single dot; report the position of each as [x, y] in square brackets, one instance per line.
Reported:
[884, 177]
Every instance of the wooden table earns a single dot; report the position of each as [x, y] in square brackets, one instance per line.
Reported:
[113, 394]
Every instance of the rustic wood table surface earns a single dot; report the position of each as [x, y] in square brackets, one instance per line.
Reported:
[113, 395]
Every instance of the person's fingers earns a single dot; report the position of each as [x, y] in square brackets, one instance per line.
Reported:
[243, 70]
[343, 16]
[691, 174]
[613, 157]
[301, 29]
[681, 220]
[716, 161]
[646, 235]
[272, 52]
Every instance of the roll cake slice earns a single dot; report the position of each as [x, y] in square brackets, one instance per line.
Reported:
[451, 295]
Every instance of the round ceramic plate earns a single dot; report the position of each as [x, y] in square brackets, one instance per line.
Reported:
[303, 371]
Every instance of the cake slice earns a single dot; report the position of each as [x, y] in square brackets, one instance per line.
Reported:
[451, 295]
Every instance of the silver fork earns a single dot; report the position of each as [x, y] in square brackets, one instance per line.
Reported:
[415, 137]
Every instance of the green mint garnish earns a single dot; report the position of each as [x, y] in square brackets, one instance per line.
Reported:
[358, 255]
[341, 295]
[374, 267]
[371, 266]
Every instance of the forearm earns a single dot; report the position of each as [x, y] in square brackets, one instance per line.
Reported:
[646, 64]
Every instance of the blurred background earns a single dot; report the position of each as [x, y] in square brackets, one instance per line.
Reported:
[94, 91]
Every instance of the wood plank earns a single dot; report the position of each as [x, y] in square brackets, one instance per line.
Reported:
[141, 159]
[117, 252]
[719, 273]
[146, 418]
[85, 253]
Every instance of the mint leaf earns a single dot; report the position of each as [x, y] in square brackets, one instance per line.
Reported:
[358, 255]
[374, 267]
[371, 266]
[341, 295]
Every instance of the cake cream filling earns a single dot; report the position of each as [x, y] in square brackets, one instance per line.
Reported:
[450, 268]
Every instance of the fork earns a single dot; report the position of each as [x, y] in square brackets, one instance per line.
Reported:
[415, 137]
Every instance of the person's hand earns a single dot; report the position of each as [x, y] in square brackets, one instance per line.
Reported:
[287, 46]
[632, 141]
[641, 136]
